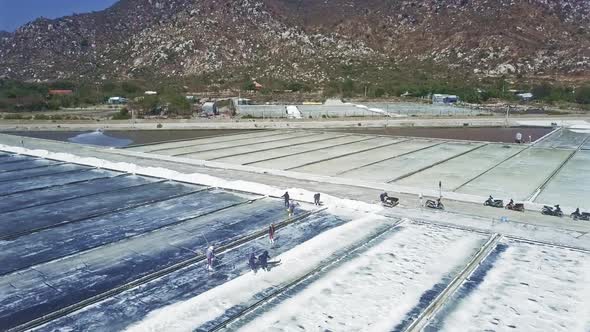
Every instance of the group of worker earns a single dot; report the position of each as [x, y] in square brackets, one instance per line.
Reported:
[261, 261]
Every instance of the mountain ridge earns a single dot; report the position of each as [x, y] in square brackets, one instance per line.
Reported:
[306, 40]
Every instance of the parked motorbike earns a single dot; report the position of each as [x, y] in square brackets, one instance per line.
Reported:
[552, 211]
[497, 203]
[390, 202]
[438, 205]
[515, 206]
[577, 215]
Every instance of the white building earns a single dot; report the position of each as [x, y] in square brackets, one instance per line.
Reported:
[293, 112]
[151, 93]
[117, 101]
[525, 96]
[444, 99]
[210, 108]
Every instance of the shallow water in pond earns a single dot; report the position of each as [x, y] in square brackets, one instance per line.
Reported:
[122, 138]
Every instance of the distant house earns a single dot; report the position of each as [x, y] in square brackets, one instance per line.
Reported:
[444, 99]
[293, 112]
[151, 93]
[527, 96]
[117, 101]
[244, 101]
[60, 92]
[258, 86]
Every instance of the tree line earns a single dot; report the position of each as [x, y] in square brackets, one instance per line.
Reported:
[18, 96]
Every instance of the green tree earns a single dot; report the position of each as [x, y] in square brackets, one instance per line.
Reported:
[147, 104]
[542, 91]
[122, 115]
[130, 88]
[582, 95]
[348, 88]
[379, 92]
[248, 86]
[177, 103]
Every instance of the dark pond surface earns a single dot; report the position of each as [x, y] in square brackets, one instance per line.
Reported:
[489, 134]
[122, 138]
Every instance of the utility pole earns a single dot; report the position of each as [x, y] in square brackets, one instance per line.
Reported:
[507, 115]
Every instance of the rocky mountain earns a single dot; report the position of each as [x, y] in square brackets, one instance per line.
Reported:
[304, 39]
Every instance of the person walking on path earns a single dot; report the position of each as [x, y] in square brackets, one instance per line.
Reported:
[316, 199]
[271, 234]
[263, 260]
[291, 208]
[286, 197]
[210, 257]
[252, 262]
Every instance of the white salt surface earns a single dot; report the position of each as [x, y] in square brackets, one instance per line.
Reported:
[581, 129]
[530, 288]
[375, 291]
[192, 313]
[335, 205]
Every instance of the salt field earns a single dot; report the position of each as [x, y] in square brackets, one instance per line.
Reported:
[565, 139]
[342, 164]
[376, 290]
[392, 169]
[458, 171]
[520, 176]
[115, 239]
[361, 145]
[570, 184]
[466, 167]
[522, 286]
[116, 229]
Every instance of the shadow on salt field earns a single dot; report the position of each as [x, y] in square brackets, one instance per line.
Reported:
[126, 308]
[517, 287]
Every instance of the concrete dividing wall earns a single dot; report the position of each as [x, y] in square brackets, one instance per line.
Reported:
[348, 110]
[422, 109]
[263, 111]
[518, 177]
[307, 111]
[318, 111]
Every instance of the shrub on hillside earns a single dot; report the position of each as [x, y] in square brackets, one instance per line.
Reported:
[582, 95]
[122, 115]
